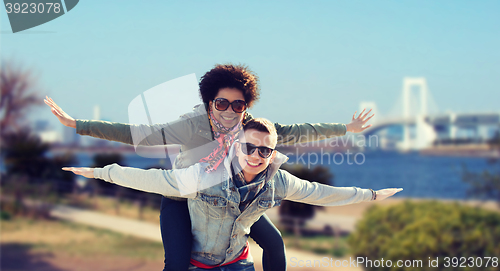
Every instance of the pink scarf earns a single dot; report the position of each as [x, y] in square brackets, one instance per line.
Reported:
[225, 137]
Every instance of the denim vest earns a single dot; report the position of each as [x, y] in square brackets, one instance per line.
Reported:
[219, 229]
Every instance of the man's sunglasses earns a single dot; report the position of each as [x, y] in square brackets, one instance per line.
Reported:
[222, 104]
[249, 148]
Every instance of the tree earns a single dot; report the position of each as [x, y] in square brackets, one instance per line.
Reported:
[486, 184]
[28, 170]
[30, 173]
[18, 93]
[424, 231]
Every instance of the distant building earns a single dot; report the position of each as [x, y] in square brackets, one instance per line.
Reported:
[42, 129]
[97, 112]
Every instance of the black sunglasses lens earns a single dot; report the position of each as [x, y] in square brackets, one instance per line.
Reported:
[265, 152]
[247, 148]
[238, 106]
[221, 104]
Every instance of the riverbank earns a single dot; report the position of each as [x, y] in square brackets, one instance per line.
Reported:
[463, 150]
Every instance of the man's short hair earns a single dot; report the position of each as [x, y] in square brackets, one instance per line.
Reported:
[262, 125]
[230, 76]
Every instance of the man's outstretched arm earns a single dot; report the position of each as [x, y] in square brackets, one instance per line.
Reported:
[319, 194]
[177, 182]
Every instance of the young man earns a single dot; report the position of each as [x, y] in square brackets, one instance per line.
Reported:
[225, 203]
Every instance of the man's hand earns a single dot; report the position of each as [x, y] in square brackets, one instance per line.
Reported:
[385, 193]
[357, 124]
[64, 118]
[86, 172]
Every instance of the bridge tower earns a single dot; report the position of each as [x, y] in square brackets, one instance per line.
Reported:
[424, 133]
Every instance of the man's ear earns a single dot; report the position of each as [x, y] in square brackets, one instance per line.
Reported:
[237, 147]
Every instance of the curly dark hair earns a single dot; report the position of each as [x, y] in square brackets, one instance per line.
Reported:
[230, 76]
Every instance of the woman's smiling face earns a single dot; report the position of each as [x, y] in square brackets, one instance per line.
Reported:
[228, 118]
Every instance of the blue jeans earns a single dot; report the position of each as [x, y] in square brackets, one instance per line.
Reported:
[242, 265]
[175, 225]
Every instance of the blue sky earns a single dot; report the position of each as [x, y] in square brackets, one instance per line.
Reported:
[317, 60]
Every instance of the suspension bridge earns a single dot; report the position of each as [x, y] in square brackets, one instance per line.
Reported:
[416, 122]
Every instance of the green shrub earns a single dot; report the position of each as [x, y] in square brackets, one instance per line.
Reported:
[4, 215]
[417, 231]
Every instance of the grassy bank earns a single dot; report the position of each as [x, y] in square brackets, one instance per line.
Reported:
[59, 237]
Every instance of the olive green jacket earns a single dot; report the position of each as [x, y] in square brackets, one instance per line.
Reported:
[193, 132]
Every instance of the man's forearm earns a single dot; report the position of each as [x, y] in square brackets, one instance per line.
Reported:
[158, 181]
[319, 194]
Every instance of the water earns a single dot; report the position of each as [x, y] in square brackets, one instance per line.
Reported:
[130, 160]
[420, 176]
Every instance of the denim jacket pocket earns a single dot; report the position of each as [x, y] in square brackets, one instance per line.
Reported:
[215, 205]
[266, 204]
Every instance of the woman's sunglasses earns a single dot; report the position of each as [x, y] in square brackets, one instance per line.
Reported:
[249, 148]
[222, 104]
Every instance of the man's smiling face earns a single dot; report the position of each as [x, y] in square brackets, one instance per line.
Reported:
[253, 164]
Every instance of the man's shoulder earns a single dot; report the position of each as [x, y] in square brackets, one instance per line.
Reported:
[280, 178]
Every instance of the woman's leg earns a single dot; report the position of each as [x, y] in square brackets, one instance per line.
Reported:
[175, 225]
[267, 236]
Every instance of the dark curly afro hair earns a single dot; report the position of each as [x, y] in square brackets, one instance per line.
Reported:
[230, 76]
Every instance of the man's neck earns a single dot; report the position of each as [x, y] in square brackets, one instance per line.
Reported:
[248, 177]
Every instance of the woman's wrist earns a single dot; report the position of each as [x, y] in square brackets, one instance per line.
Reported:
[348, 127]
[72, 123]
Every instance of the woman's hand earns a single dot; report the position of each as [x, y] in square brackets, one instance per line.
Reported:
[64, 118]
[86, 172]
[385, 193]
[357, 124]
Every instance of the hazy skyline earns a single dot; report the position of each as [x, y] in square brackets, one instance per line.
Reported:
[316, 60]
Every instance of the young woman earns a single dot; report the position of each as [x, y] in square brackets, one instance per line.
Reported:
[205, 135]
